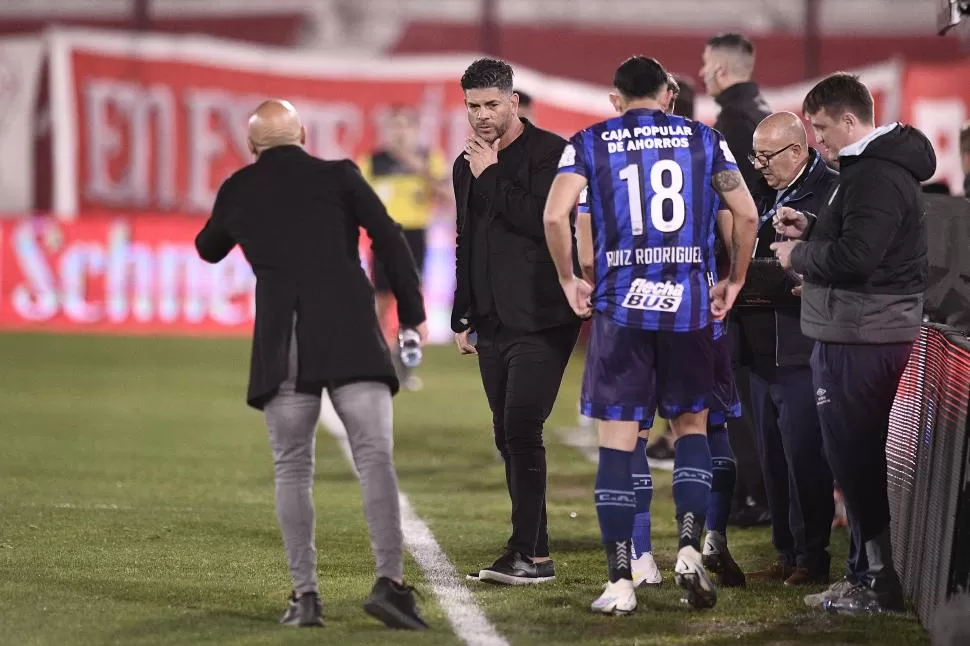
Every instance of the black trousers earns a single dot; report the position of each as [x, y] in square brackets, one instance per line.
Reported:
[798, 482]
[521, 373]
[855, 386]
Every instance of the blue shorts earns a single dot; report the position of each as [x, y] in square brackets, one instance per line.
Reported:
[631, 373]
[725, 400]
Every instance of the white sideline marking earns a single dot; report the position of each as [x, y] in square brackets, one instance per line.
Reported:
[462, 611]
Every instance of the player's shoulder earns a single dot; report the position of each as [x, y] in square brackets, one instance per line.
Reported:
[700, 128]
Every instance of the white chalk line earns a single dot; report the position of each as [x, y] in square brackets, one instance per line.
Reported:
[459, 604]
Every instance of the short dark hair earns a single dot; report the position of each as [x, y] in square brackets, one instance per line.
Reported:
[732, 41]
[487, 73]
[525, 99]
[684, 103]
[840, 93]
[640, 76]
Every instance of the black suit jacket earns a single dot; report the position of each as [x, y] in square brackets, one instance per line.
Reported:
[524, 282]
[297, 219]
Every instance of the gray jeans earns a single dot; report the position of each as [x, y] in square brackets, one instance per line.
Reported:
[366, 411]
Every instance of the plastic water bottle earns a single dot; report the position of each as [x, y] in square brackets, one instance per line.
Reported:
[410, 344]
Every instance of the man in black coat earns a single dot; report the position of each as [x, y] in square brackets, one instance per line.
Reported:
[507, 292]
[728, 67]
[297, 219]
[864, 265]
[797, 477]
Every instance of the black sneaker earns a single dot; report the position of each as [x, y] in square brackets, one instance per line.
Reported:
[304, 611]
[717, 559]
[394, 605]
[513, 568]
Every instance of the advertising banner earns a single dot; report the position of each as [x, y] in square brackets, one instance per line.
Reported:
[141, 275]
[20, 68]
[156, 122]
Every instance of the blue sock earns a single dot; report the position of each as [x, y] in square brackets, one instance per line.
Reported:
[692, 487]
[725, 473]
[615, 507]
[643, 489]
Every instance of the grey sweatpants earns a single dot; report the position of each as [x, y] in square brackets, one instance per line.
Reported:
[366, 412]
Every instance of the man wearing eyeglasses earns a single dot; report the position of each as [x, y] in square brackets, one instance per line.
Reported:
[798, 482]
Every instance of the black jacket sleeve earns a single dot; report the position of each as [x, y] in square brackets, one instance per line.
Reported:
[872, 213]
[214, 243]
[388, 243]
[460, 308]
[519, 207]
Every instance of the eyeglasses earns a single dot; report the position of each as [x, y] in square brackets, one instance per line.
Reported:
[765, 158]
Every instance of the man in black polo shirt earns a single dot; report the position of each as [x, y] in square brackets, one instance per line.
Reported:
[507, 292]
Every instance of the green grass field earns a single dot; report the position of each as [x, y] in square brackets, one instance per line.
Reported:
[136, 507]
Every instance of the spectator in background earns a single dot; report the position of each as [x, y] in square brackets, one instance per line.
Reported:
[409, 180]
[864, 265]
[685, 98]
[965, 157]
[797, 478]
[525, 106]
[726, 72]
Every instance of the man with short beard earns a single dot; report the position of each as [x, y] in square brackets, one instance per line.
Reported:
[507, 292]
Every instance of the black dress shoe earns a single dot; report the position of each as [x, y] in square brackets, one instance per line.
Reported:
[513, 568]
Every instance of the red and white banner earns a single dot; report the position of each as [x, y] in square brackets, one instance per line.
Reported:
[155, 123]
[938, 104]
[20, 68]
[142, 275]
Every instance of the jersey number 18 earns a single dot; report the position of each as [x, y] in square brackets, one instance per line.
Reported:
[662, 192]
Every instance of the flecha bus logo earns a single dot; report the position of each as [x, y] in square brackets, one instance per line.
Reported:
[654, 297]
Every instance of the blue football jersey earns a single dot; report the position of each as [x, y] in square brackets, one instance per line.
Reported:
[653, 213]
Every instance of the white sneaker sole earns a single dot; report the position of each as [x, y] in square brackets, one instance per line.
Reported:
[615, 606]
[505, 579]
[699, 590]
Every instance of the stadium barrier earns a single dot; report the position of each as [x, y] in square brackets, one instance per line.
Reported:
[929, 470]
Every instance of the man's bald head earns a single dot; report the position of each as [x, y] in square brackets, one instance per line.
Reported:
[784, 126]
[780, 148]
[275, 123]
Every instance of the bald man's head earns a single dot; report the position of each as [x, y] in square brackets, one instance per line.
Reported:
[275, 123]
[780, 149]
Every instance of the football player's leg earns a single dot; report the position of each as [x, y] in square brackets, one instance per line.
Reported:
[685, 375]
[645, 570]
[726, 403]
[618, 387]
